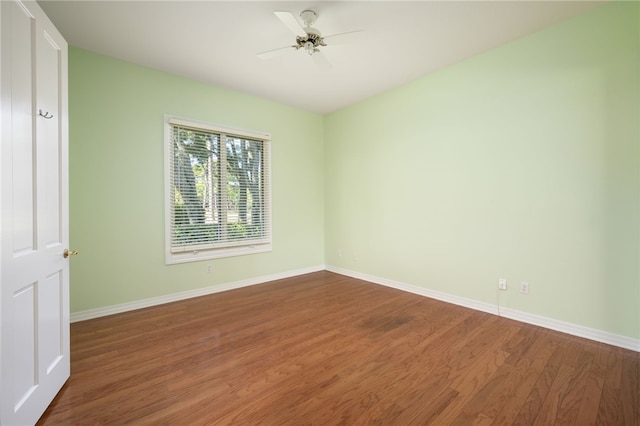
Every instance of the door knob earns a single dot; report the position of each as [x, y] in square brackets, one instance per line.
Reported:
[68, 253]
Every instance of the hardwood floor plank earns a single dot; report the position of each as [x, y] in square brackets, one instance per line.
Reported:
[551, 407]
[629, 388]
[588, 411]
[525, 375]
[611, 409]
[324, 349]
[538, 394]
[574, 390]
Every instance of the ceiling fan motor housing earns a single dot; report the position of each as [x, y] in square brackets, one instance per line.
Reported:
[308, 17]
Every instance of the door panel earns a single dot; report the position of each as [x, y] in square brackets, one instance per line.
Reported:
[22, 69]
[51, 322]
[48, 134]
[24, 350]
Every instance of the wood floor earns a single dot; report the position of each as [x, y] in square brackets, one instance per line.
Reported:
[324, 349]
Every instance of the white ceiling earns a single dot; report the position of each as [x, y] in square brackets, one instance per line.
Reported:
[216, 42]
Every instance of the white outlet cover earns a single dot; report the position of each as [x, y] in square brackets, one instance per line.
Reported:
[502, 283]
[524, 287]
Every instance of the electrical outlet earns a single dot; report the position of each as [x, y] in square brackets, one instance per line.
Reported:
[209, 268]
[502, 284]
[524, 287]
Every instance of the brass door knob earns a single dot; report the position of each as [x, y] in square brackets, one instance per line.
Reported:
[68, 253]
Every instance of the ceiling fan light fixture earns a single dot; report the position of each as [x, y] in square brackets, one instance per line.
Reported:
[309, 48]
[310, 43]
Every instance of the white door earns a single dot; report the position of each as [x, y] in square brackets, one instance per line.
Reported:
[34, 297]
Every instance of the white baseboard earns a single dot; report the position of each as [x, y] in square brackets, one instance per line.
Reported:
[153, 301]
[550, 323]
[456, 300]
[573, 329]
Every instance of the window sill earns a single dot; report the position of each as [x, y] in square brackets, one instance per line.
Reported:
[207, 254]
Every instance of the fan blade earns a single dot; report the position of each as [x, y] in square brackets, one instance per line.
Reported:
[321, 61]
[343, 38]
[275, 52]
[292, 23]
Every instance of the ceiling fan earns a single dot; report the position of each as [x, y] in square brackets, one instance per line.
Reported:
[308, 39]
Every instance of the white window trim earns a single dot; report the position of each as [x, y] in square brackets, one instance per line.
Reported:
[191, 254]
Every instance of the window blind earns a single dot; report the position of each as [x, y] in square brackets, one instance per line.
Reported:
[218, 189]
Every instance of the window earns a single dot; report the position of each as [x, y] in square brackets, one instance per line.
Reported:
[217, 191]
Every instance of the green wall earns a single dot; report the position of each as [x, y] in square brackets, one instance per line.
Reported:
[521, 163]
[116, 119]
